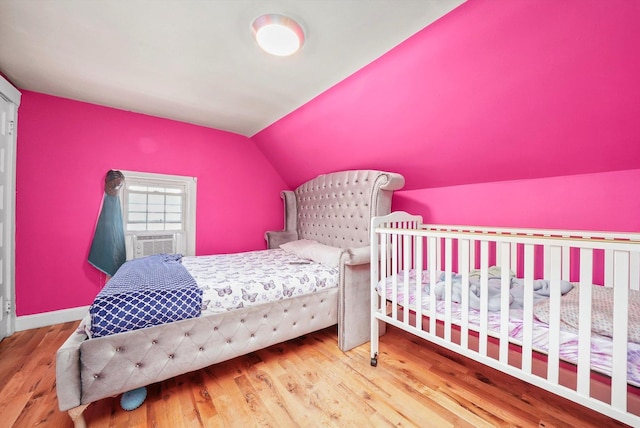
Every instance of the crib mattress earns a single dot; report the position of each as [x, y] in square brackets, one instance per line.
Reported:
[601, 346]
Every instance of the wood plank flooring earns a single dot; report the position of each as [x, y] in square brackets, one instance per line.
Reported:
[306, 382]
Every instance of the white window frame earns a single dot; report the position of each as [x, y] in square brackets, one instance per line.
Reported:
[153, 179]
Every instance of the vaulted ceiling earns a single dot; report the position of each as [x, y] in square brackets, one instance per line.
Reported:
[196, 61]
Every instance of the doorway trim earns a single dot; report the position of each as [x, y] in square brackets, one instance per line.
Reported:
[10, 93]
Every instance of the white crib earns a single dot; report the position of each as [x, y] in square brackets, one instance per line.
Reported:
[458, 273]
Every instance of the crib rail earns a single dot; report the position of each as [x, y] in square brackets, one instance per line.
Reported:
[406, 254]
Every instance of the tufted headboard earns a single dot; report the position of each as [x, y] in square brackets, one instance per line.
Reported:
[336, 208]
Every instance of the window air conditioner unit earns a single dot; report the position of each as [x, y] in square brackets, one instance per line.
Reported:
[146, 245]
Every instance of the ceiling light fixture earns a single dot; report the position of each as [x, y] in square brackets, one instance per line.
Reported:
[278, 34]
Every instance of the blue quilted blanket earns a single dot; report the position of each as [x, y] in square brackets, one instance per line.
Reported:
[145, 292]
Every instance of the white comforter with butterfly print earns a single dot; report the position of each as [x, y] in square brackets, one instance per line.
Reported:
[231, 281]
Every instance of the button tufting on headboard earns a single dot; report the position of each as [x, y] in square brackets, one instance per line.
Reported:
[362, 194]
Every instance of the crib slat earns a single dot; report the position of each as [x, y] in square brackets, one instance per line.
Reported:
[374, 267]
[505, 283]
[394, 270]
[448, 267]
[555, 264]
[584, 332]
[514, 258]
[433, 267]
[406, 266]
[527, 328]
[418, 258]
[608, 268]
[383, 266]
[484, 293]
[620, 330]
[464, 265]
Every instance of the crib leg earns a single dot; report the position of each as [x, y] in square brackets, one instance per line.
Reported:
[374, 360]
[76, 415]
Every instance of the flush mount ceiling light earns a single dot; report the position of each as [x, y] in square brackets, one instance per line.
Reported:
[278, 34]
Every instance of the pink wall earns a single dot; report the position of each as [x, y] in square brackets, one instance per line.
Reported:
[493, 91]
[503, 93]
[608, 201]
[64, 150]
[599, 201]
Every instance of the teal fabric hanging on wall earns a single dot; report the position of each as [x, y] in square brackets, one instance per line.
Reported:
[108, 251]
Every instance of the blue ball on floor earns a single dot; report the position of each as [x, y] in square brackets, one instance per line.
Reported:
[133, 399]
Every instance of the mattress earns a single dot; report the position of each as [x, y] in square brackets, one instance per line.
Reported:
[601, 346]
[232, 281]
[164, 288]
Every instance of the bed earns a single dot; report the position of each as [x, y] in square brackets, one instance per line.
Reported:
[557, 309]
[326, 228]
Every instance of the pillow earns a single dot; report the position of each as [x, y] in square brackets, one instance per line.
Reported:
[294, 247]
[315, 251]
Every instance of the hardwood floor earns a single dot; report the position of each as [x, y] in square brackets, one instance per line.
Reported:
[306, 382]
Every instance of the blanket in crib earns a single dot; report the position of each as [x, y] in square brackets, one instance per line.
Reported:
[541, 287]
[145, 292]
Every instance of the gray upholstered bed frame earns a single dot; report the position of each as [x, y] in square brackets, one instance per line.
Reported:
[334, 209]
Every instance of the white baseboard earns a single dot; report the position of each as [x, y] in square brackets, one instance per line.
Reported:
[28, 322]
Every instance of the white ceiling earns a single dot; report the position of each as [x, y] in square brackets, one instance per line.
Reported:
[195, 60]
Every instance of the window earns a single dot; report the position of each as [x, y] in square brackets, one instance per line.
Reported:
[158, 213]
[155, 208]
